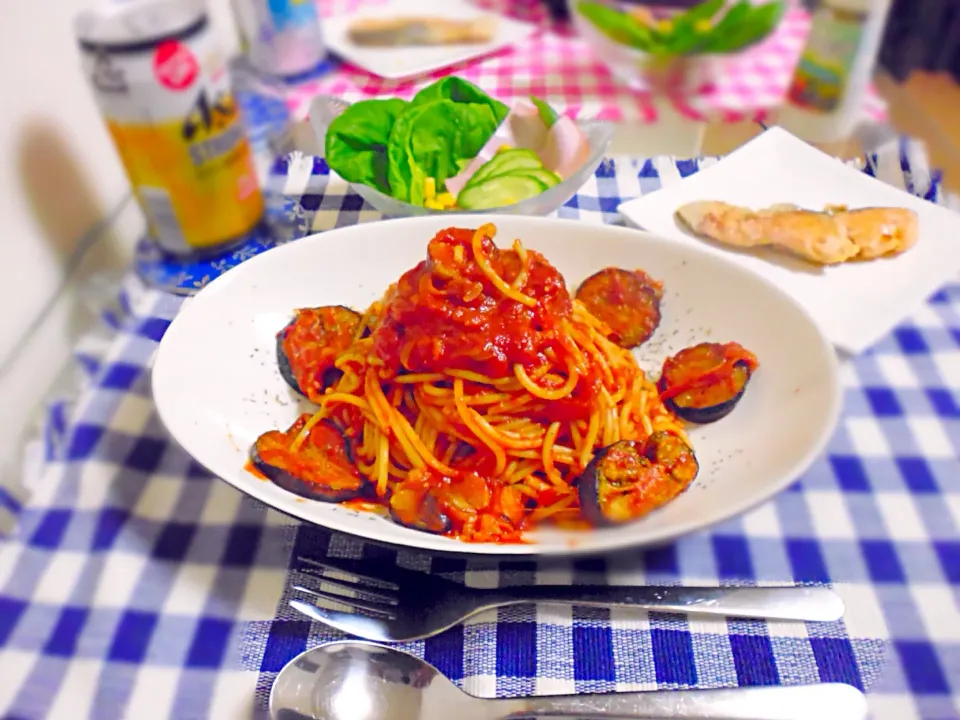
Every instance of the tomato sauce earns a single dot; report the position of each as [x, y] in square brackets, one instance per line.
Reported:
[632, 479]
[469, 507]
[707, 374]
[321, 466]
[312, 343]
[629, 485]
[628, 302]
[252, 469]
[452, 316]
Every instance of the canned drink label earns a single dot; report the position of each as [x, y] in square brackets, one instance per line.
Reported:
[823, 72]
[170, 110]
[289, 14]
[283, 36]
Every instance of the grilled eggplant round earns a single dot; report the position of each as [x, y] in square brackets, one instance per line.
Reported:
[704, 383]
[320, 468]
[309, 344]
[628, 479]
[283, 362]
[628, 301]
[417, 507]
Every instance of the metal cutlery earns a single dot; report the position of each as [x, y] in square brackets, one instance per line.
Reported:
[363, 681]
[398, 605]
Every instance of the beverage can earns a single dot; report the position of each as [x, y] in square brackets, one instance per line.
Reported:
[282, 37]
[827, 61]
[162, 85]
[825, 98]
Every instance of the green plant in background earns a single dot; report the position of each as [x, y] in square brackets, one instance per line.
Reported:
[708, 28]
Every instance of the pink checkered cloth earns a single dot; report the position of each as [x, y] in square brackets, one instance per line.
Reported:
[556, 65]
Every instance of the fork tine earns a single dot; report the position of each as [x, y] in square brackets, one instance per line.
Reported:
[363, 626]
[347, 590]
[349, 574]
[347, 601]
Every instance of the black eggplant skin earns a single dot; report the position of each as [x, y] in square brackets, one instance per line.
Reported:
[588, 486]
[291, 483]
[706, 415]
[330, 376]
[444, 524]
[283, 362]
[311, 491]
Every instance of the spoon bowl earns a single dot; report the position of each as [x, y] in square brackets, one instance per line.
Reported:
[356, 680]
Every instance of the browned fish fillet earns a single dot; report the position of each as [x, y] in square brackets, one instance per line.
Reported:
[825, 238]
[881, 231]
[412, 31]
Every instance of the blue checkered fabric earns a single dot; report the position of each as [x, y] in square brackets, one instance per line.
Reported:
[137, 585]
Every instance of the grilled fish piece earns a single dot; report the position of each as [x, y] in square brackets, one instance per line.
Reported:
[825, 238]
[413, 31]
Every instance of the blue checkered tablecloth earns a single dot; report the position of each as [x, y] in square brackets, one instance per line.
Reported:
[137, 585]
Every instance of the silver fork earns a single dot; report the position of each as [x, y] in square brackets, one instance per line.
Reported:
[398, 605]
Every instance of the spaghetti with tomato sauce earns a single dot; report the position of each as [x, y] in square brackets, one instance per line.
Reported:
[473, 396]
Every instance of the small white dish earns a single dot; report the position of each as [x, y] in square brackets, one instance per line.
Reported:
[855, 303]
[405, 62]
[217, 386]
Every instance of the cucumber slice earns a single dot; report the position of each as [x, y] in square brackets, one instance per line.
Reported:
[504, 162]
[500, 191]
[541, 174]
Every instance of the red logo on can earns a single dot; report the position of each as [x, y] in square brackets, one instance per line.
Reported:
[174, 65]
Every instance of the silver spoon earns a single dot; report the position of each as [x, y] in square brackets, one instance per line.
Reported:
[357, 680]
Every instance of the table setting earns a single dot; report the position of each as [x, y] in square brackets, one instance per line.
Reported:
[136, 580]
[294, 481]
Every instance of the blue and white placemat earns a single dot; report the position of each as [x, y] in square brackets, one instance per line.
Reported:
[136, 585]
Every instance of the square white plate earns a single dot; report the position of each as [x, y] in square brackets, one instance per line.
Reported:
[399, 63]
[855, 304]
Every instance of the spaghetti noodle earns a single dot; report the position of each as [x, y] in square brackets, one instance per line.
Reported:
[476, 392]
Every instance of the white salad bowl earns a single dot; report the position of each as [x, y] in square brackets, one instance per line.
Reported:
[324, 108]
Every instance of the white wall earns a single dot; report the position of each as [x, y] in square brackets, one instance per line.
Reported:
[59, 178]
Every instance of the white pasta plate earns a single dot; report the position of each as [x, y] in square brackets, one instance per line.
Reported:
[217, 385]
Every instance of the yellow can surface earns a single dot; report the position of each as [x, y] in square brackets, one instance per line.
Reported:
[164, 90]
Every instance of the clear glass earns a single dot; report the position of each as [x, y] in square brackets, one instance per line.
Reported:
[324, 108]
[272, 125]
[643, 71]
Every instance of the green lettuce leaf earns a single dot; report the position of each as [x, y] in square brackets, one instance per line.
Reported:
[356, 141]
[460, 91]
[431, 139]
[443, 127]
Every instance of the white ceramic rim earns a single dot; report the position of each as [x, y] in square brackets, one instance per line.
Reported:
[611, 543]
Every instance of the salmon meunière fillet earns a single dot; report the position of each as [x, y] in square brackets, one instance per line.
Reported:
[412, 31]
[825, 238]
